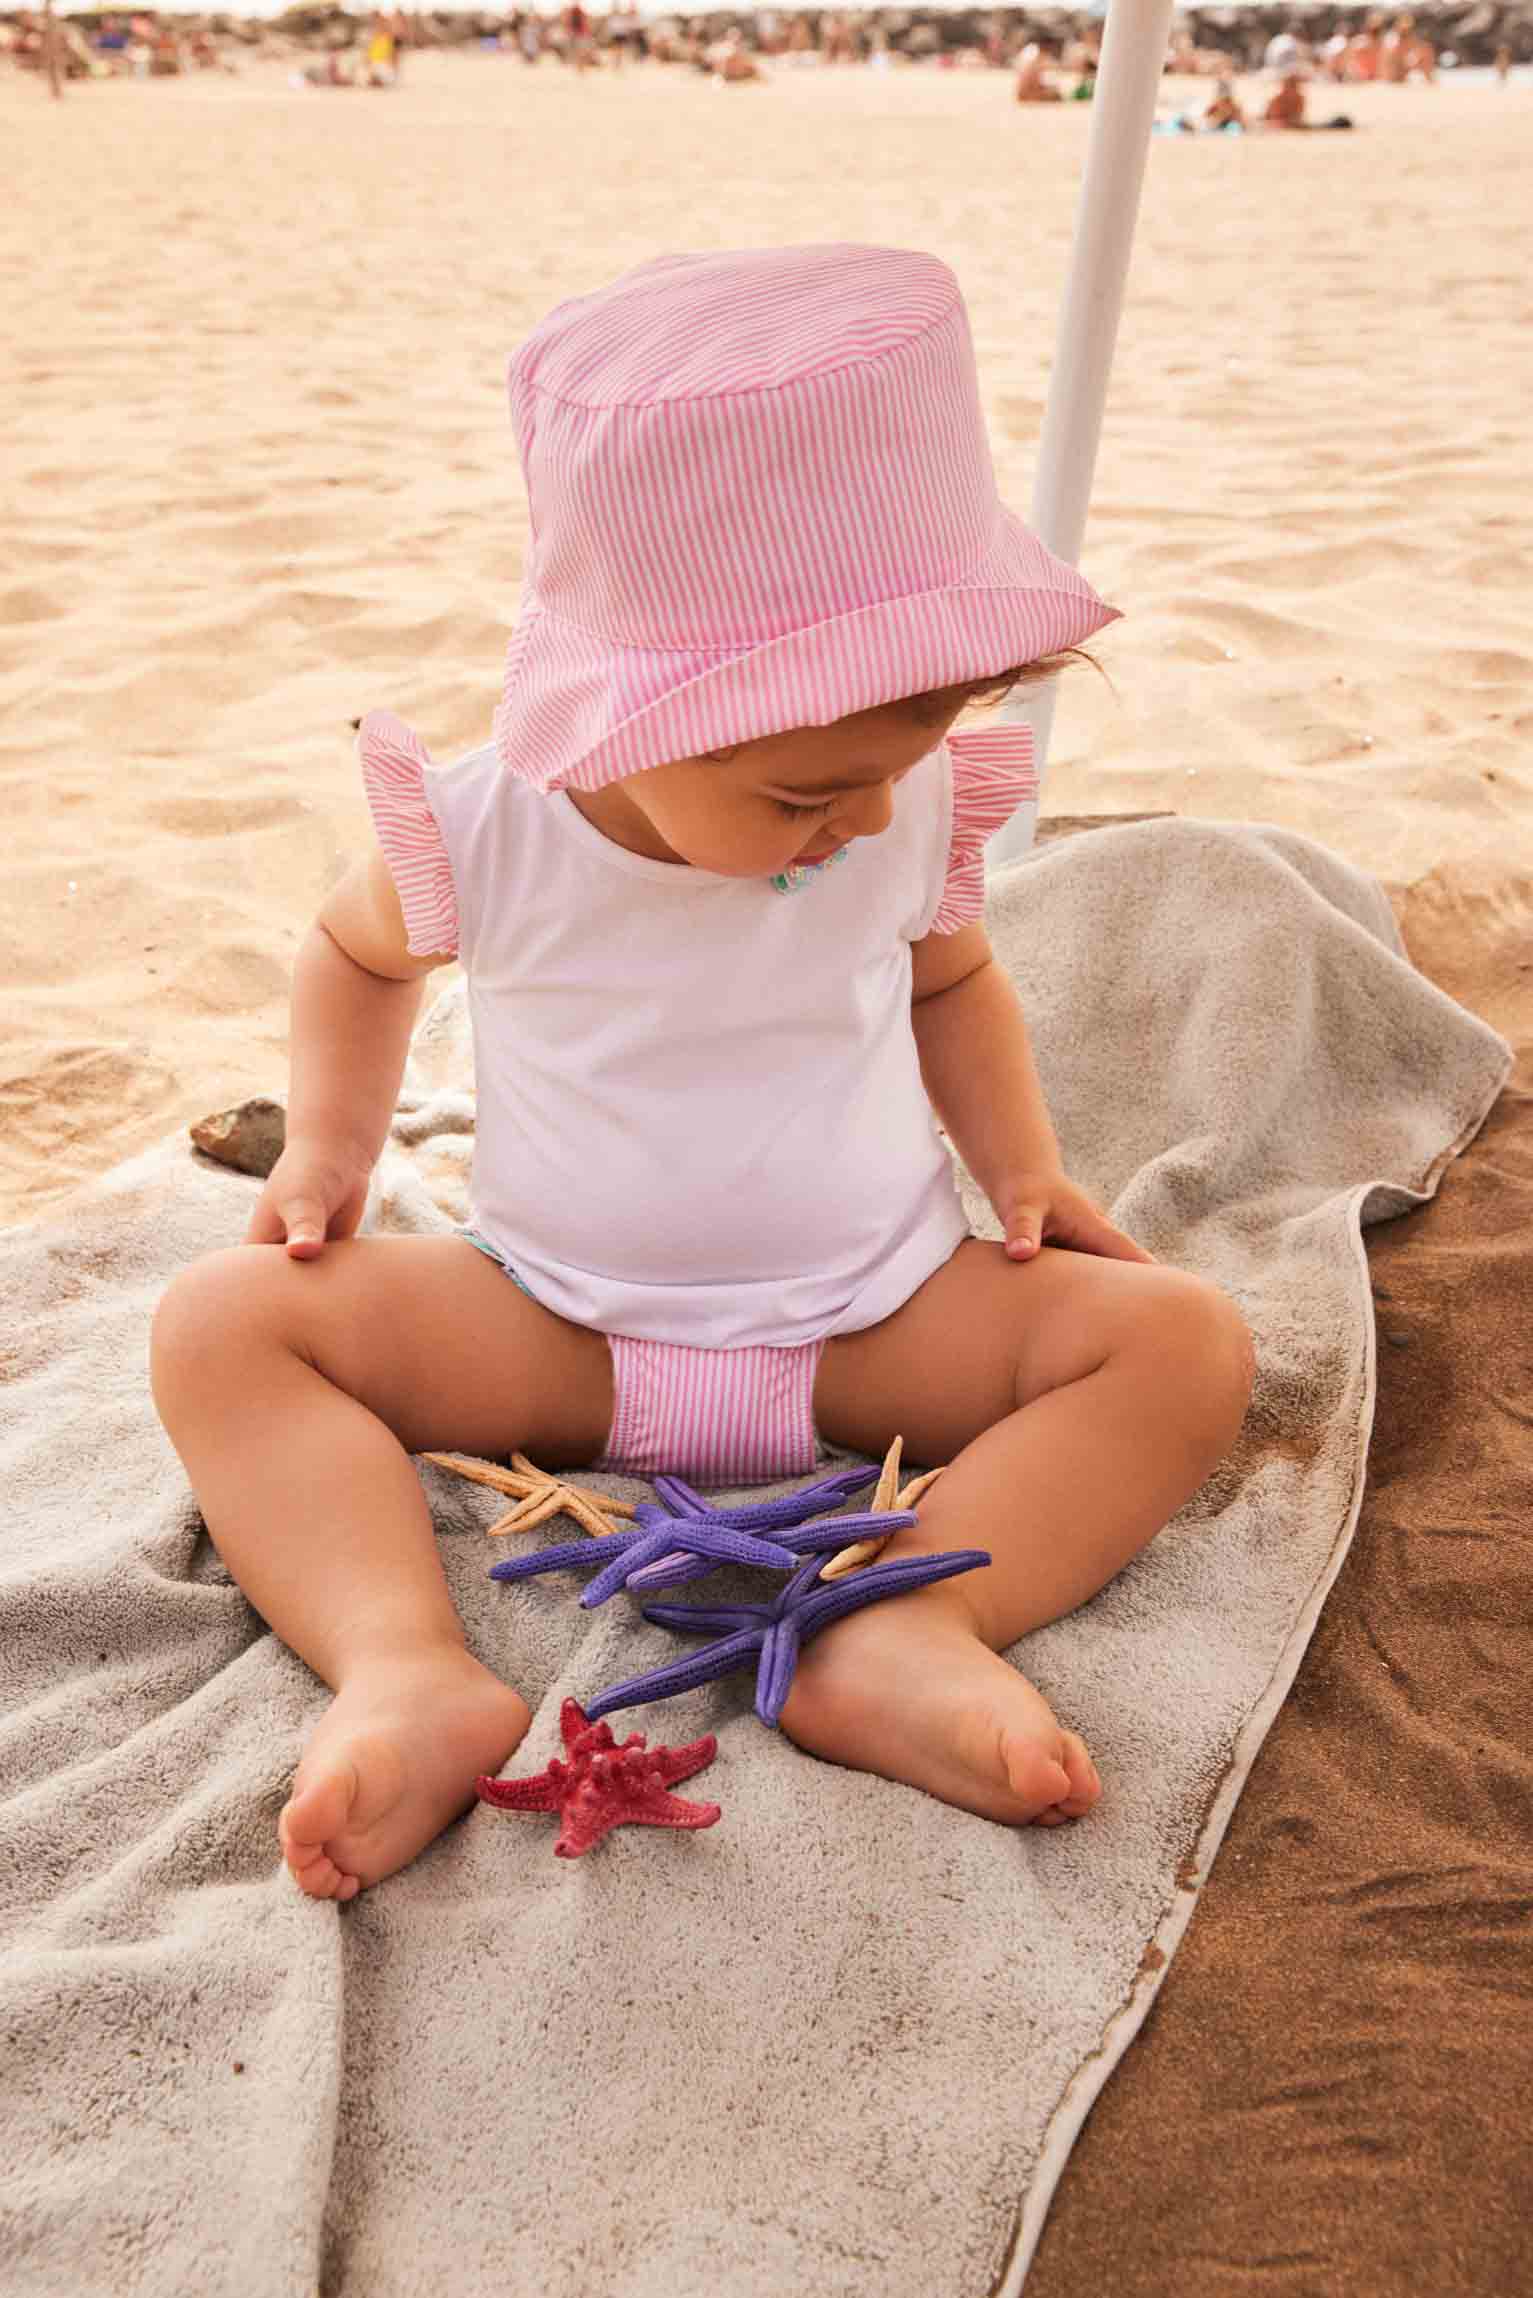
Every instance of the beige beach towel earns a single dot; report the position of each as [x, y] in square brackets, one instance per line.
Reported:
[840, 2042]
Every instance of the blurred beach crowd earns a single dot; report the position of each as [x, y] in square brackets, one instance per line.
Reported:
[1051, 52]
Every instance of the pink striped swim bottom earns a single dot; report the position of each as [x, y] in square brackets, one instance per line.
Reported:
[715, 1416]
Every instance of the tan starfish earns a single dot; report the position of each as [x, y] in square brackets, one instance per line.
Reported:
[538, 1495]
[888, 1496]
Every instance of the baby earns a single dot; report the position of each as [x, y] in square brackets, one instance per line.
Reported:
[716, 889]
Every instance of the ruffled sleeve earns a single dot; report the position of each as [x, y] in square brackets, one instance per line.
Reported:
[393, 760]
[993, 774]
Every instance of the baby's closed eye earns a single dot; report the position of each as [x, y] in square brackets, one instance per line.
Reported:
[823, 807]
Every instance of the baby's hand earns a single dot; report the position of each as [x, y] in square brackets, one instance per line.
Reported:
[312, 1193]
[1045, 1208]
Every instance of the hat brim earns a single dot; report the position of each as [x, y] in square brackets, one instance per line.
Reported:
[578, 711]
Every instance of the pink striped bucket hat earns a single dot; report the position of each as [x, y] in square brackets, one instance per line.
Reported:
[761, 498]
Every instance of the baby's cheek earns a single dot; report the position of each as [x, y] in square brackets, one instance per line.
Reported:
[735, 848]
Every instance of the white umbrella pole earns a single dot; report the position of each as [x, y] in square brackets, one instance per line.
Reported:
[1128, 82]
[51, 48]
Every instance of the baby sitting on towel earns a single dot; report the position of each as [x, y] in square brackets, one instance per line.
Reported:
[717, 892]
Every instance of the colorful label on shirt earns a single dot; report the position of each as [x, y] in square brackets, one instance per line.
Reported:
[798, 874]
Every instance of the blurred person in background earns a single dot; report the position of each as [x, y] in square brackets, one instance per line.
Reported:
[1284, 53]
[1405, 54]
[1335, 57]
[1365, 50]
[579, 48]
[1223, 109]
[837, 42]
[381, 50]
[1034, 85]
[731, 60]
[164, 52]
[1286, 106]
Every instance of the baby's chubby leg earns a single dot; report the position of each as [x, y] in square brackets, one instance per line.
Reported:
[1081, 1401]
[295, 1392]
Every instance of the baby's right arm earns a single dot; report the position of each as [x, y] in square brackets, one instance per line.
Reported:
[356, 995]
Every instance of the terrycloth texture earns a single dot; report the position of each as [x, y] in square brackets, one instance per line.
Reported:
[843, 2039]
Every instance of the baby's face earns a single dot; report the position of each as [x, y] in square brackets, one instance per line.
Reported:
[785, 798]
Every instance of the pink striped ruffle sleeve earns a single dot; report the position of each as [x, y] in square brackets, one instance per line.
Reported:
[993, 774]
[393, 759]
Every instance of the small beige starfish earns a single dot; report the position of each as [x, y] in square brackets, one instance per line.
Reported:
[538, 1495]
[887, 1496]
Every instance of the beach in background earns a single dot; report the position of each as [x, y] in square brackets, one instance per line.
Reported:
[258, 479]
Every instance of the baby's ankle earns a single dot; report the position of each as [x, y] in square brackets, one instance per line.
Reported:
[402, 1656]
[942, 1606]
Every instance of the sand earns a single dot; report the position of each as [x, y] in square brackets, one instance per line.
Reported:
[257, 479]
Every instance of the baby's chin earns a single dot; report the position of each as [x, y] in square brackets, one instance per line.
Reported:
[731, 865]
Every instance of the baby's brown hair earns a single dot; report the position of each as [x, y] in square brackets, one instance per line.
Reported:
[938, 703]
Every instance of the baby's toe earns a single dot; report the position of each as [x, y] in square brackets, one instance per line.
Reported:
[310, 1820]
[1085, 1784]
[321, 1878]
[317, 1810]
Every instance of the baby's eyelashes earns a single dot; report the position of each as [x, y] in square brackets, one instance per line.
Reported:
[783, 807]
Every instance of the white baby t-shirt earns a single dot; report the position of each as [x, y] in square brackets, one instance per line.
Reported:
[700, 1110]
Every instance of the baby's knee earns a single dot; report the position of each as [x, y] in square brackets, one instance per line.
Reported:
[1206, 1337]
[208, 1309]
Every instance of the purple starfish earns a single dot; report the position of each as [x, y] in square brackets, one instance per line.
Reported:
[786, 1513]
[625, 1552]
[796, 1518]
[787, 1508]
[776, 1630]
[647, 1556]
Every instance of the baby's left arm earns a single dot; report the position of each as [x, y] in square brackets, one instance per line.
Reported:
[978, 1070]
[977, 1064]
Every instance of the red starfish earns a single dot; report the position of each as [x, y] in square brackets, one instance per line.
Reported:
[604, 1785]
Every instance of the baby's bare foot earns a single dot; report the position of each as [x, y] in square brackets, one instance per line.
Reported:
[907, 1689]
[392, 1762]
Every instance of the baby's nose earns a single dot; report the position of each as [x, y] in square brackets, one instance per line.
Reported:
[869, 811]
